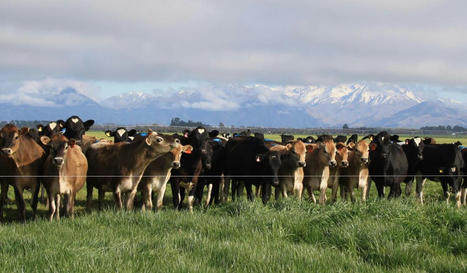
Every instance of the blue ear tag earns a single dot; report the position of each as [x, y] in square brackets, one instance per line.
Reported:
[217, 140]
[63, 130]
[144, 134]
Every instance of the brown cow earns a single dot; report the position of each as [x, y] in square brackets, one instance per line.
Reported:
[356, 175]
[157, 174]
[64, 173]
[22, 160]
[319, 158]
[118, 167]
[342, 155]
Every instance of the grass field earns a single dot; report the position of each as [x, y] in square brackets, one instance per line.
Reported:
[284, 236]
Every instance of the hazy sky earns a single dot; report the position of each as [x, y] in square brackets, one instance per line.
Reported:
[113, 47]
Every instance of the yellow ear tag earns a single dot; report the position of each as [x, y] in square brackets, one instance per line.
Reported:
[39, 129]
[441, 171]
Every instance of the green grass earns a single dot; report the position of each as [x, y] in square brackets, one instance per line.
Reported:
[284, 236]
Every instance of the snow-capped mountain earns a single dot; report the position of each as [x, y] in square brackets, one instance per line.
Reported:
[357, 104]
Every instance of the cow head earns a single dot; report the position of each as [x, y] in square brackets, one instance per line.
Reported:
[270, 164]
[9, 139]
[75, 127]
[57, 145]
[328, 147]
[362, 149]
[177, 154]
[342, 154]
[157, 144]
[53, 127]
[121, 134]
[207, 151]
[417, 145]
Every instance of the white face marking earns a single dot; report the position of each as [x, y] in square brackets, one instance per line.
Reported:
[453, 169]
[120, 132]
[74, 120]
[417, 141]
[52, 125]
[131, 138]
[200, 131]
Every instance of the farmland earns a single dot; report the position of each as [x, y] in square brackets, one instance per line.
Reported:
[286, 235]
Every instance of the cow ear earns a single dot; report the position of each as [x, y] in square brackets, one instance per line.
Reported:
[289, 146]
[61, 123]
[132, 132]
[351, 145]
[88, 124]
[45, 140]
[148, 140]
[109, 133]
[310, 147]
[340, 146]
[40, 128]
[187, 149]
[23, 131]
[151, 132]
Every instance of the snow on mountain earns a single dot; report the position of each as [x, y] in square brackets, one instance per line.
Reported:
[358, 104]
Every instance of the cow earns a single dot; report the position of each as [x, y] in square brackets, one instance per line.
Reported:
[249, 161]
[22, 159]
[212, 177]
[352, 141]
[340, 138]
[52, 128]
[356, 174]
[259, 135]
[464, 184]
[186, 178]
[291, 171]
[118, 167]
[75, 128]
[64, 173]
[429, 140]
[121, 134]
[388, 165]
[286, 138]
[157, 174]
[319, 159]
[443, 163]
[307, 140]
[413, 150]
[342, 155]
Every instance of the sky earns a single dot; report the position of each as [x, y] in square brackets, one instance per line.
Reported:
[107, 48]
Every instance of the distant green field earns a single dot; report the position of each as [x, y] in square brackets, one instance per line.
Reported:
[284, 236]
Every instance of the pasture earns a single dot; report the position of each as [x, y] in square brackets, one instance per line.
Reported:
[283, 236]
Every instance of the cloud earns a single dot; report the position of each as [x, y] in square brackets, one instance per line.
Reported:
[241, 42]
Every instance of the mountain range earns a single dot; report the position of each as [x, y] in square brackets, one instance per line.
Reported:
[357, 105]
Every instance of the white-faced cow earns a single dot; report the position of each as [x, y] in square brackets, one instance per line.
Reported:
[121, 134]
[52, 128]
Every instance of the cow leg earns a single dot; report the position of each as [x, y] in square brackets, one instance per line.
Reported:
[323, 186]
[419, 188]
[118, 200]
[181, 198]
[130, 202]
[208, 196]
[363, 184]
[160, 196]
[199, 188]
[408, 188]
[52, 205]
[57, 212]
[71, 205]
[334, 191]
[298, 190]
[266, 193]
[175, 193]
[101, 197]
[215, 192]
[249, 191]
[3, 197]
[277, 193]
[20, 203]
[234, 184]
[89, 189]
[380, 188]
[446, 192]
[35, 198]
[146, 193]
[224, 188]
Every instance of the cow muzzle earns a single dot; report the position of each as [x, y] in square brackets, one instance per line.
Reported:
[345, 164]
[176, 164]
[420, 156]
[364, 161]
[301, 164]
[332, 163]
[275, 182]
[7, 151]
[58, 161]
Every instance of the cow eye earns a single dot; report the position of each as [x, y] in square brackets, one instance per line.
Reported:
[177, 140]
[159, 139]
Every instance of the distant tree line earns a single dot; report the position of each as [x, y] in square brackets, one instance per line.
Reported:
[179, 122]
[24, 123]
[456, 128]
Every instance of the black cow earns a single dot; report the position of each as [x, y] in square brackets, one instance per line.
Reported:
[464, 184]
[187, 176]
[352, 139]
[340, 138]
[286, 138]
[52, 128]
[75, 127]
[394, 138]
[307, 140]
[414, 152]
[324, 138]
[121, 134]
[259, 135]
[443, 163]
[212, 177]
[250, 161]
[290, 162]
[388, 165]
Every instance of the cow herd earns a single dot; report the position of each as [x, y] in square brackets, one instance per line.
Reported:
[61, 159]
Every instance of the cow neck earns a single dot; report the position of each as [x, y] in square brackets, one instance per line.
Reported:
[137, 155]
[28, 152]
